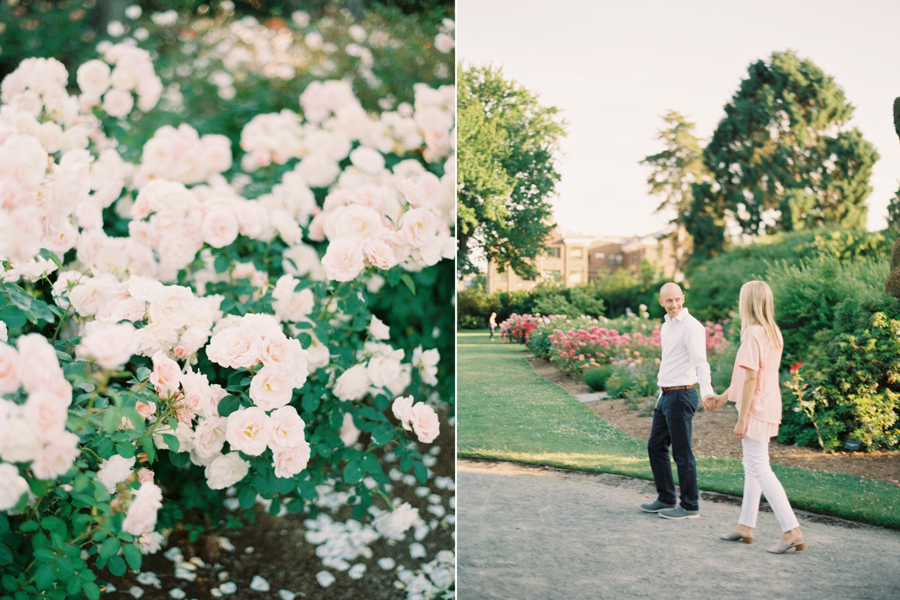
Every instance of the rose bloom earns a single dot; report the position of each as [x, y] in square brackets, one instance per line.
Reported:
[235, 347]
[150, 543]
[110, 345]
[9, 367]
[141, 515]
[353, 383]
[37, 359]
[291, 461]
[220, 228]
[166, 375]
[425, 423]
[226, 470]
[393, 523]
[209, 437]
[379, 253]
[382, 370]
[12, 486]
[402, 409]
[418, 227]
[117, 103]
[287, 429]
[57, 457]
[349, 433]
[114, 470]
[93, 77]
[24, 445]
[444, 43]
[249, 430]
[272, 387]
[378, 329]
[368, 160]
[344, 259]
[45, 415]
[145, 476]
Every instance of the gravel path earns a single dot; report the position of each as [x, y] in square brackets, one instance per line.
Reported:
[530, 533]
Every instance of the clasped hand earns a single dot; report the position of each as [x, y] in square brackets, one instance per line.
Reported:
[713, 401]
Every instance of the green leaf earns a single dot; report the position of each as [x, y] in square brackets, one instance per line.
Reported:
[149, 448]
[13, 317]
[406, 463]
[125, 450]
[405, 278]
[171, 441]
[18, 297]
[143, 373]
[74, 586]
[352, 472]
[9, 582]
[44, 577]
[117, 566]
[221, 264]
[262, 486]
[5, 555]
[371, 463]
[310, 402]
[111, 419]
[51, 256]
[101, 494]
[382, 435]
[44, 555]
[91, 590]
[109, 547]
[421, 472]
[247, 497]
[228, 405]
[285, 485]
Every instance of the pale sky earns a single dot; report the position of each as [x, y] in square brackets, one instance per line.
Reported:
[614, 68]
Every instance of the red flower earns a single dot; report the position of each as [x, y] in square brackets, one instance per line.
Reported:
[795, 367]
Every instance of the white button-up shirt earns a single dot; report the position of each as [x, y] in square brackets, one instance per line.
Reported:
[683, 362]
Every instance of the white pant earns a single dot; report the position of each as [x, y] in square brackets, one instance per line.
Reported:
[759, 478]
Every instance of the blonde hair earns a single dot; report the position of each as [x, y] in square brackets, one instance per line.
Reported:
[757, 307]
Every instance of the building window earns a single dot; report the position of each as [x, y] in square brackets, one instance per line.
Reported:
[599, 255]
[577, 252]
[502, 277]
[551, 275]
[575, 276]
[615, 259]
[551, 252]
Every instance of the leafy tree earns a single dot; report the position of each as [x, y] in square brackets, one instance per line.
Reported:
[784, 154]
[894, 212]
[675, 170]
[506, 170]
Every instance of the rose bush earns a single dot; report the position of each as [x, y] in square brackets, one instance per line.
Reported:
[186, 312]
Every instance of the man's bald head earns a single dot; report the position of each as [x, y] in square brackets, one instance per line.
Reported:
[671, 298]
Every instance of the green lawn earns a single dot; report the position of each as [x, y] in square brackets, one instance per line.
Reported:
[507, 412]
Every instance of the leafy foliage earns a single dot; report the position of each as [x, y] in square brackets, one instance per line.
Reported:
[506, 170]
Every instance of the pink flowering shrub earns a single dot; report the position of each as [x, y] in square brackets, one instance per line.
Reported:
[176, 321]
[517, 327]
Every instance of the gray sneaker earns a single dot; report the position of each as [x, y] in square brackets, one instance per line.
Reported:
[679, 513]
[655, 506]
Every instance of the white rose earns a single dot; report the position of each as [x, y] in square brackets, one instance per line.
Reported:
[118, 103]
[57, 457]
[353, 383]
[367, 160]
[209, 437]
[402, 409]
[378, 329]
[249, 430]
[115, 470]
[226, 470]
[220, 228]
[287, 429]
[383, 370]
[12, 486]
[272, 387]
[344, 259]
[291, 461]
[93, 77]
[392, 524]
[110, 345]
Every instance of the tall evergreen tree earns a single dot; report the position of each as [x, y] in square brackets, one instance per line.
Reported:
[784, 152]
[506, 170]
[675, 170]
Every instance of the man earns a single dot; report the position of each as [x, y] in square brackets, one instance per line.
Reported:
[683, 364]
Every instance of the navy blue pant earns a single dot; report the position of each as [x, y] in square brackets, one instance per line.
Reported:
[672, 421]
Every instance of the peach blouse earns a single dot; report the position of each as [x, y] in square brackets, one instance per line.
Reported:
[757, 354]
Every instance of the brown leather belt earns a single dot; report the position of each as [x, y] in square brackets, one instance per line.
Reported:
[677, 387]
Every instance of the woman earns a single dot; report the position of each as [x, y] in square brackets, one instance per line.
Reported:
[493, 323]
[756, 393]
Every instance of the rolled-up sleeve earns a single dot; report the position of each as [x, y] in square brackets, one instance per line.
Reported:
[696, 344]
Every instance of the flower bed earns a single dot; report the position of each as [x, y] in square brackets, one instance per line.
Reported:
[185, 330]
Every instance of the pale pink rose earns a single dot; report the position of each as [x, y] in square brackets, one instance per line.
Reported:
[91, 295]
[271, 387]
[290, 305]
[291, 461]
[93, 77]
[150, 543]
[418, 227]
[368, 160]
[220, 228]
[249, 430]
[349, 433]
[172, 306]
[253, 220]
[110, 345]
[392, 524]
[145, 409]
[344, 259]
[382, 370]
[45, 415]
[353, 220]
[444, 43]
[57, 457]
[145, 476]
[402, 409]
[166, 375]
[117, 103]
[380, 253]
[141, 515]
[226, 470]
[378, 329]
[12, 486]
[177, 251]
[37, 360]
[425, 423]
[287, 429]
[353, 383]
[115, 470]
[235, 347]
[209, 437]
[9, 369]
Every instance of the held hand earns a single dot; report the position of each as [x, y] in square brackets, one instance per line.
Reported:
[709, 402]
[740, 430]
[721, 401]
